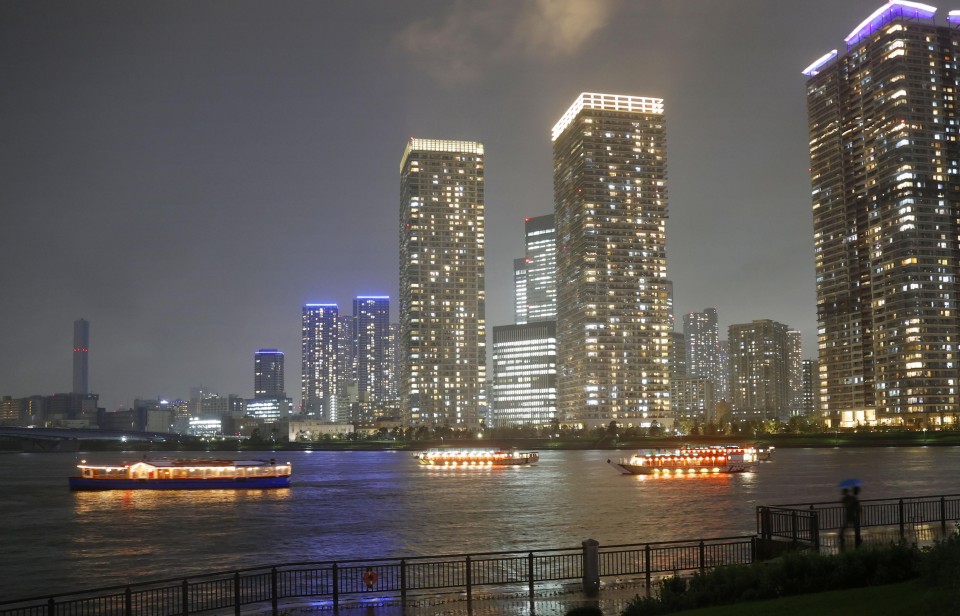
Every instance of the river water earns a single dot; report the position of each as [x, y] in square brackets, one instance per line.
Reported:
[347, 505]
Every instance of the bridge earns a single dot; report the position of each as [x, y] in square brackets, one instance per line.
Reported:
[68, 439]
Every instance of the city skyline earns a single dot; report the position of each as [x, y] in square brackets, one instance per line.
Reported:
[188, 188]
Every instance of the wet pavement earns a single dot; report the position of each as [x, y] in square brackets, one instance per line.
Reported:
[612, 599]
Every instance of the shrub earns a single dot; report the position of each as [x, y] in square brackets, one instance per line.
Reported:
[792, 574]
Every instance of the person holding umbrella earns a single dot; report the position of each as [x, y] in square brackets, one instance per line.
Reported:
[851, 510]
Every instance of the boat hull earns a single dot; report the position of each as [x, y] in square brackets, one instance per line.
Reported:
[635, 469]
[81, 484]
[509, 462]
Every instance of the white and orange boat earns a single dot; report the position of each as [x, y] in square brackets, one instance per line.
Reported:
[476, 458]
[183, 475]
[691, 461]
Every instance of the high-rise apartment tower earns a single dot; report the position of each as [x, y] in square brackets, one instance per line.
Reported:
[760, 359]
[320, 345]
[610, 199]
[442, 292]
[885, 170]
[371, 315]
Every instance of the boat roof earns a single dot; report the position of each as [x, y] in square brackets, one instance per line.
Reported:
[185, 463]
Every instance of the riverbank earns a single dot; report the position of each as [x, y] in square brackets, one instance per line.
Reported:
[840, 439]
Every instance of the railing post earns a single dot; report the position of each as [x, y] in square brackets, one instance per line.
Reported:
[646, 567]
[236, 593]
[590, 565]
[469, 584]
[753, 549]
[335, 573]
[274, 599]
[530, 573]
[703, 557]
[793, 526]
[185, 596]
[900, 508]
[403, 581]
[51, 608]
[943, 517]
[128, 602]
[815, 531]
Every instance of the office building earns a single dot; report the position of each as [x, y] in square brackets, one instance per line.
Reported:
[520, 291]
[760, 370]
[541, 259]
[525, 374]
[270, 402]
[610, 198]
[320, 347]
[81, 350]
[442, 290]
[268, 374]
[885, 171]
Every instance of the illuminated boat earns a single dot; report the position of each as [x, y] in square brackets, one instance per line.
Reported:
[690, 461]
[477, 458]
[183, 475]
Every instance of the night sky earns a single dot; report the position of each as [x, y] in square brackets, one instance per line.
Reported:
[186, 175]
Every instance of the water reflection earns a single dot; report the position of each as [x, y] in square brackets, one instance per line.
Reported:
[87, 503]
[346, 505]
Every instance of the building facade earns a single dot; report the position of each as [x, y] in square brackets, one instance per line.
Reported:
[701, 333]
[541, 258]
[525, 374]
[442, 288]
[320, 343]
[885, 172]
[374, 357]
[610, 199]
[268, 374]
[760, 370]
[520, 291]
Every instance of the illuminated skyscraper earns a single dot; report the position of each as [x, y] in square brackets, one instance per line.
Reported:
[701, 332]
[371, 317]
[520, 291]
[885, 170]
[610, 197]
[81, 350]
[320, 346]
[760, 370]
[442, 296]
[268, 374]
[525, 374]
[541, 293]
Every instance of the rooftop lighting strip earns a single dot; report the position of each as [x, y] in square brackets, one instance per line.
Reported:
[879, 17]
[607, 102]
[814, 68]
[439, 145]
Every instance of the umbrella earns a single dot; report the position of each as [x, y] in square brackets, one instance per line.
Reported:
[850, 483]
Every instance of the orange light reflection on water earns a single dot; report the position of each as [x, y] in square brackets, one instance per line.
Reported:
[86, 503]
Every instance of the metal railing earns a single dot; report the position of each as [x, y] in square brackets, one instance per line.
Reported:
[804, 522]
[396, 579]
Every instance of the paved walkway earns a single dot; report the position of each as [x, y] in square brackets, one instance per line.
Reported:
[612, 599]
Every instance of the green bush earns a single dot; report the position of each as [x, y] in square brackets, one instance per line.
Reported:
[792, 574]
